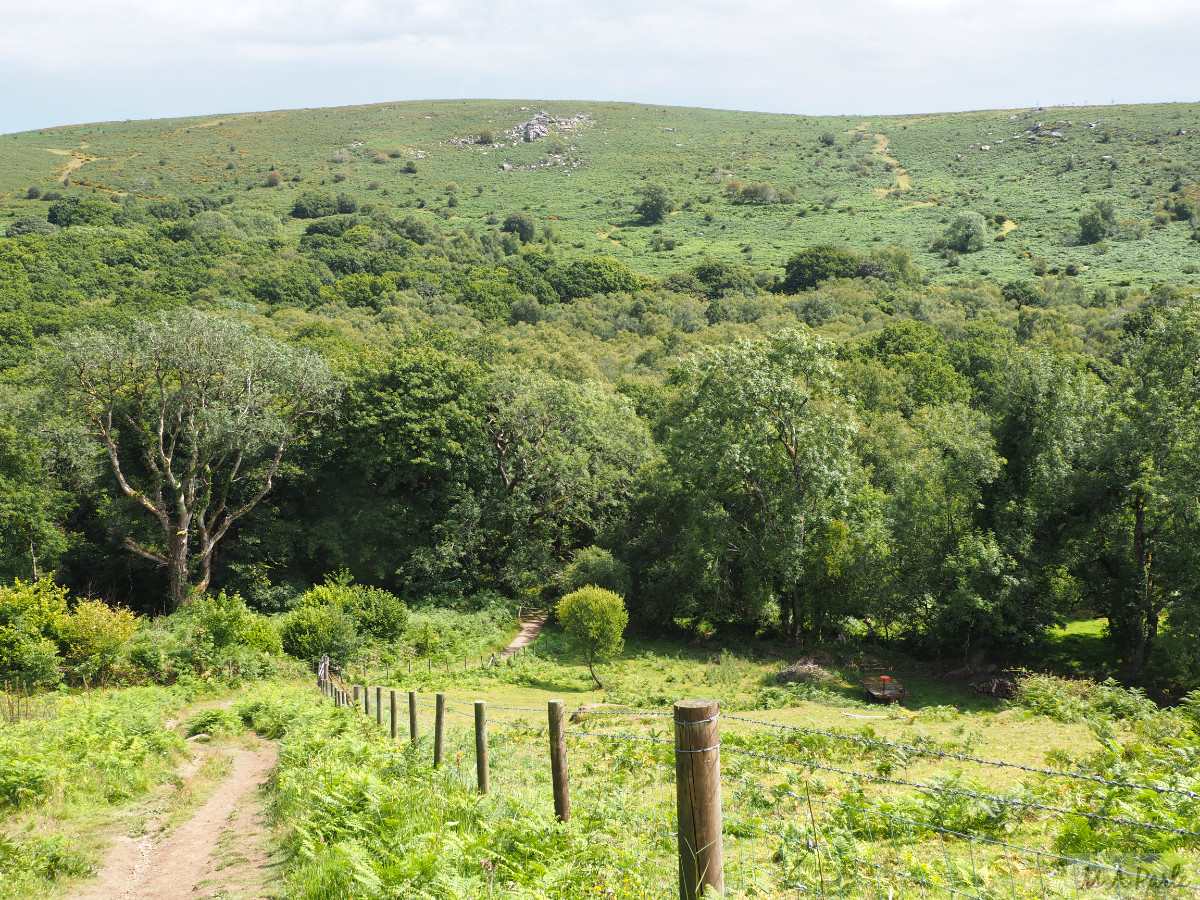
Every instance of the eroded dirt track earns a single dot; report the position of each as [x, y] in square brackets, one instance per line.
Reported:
[221, 848]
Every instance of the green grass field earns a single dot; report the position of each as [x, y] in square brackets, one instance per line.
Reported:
[356, 815]
[890, 179]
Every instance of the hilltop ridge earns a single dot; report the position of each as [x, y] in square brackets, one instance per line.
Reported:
[751, 187]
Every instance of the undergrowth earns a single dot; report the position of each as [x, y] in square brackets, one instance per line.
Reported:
[83, 750]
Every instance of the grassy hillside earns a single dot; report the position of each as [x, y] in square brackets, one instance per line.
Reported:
[854, 180]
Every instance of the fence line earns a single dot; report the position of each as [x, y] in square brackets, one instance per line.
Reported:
[962, 757]
[779, 840]
[890, 745]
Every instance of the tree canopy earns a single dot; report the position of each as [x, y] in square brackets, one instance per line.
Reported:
[192, 414]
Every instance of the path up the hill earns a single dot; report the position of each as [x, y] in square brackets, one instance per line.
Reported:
[220, 849]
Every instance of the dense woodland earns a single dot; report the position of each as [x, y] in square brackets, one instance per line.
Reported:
[193, 399]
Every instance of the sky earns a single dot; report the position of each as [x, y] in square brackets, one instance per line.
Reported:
[74, 61]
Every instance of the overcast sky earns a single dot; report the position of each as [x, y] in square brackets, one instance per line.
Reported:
[72, 61]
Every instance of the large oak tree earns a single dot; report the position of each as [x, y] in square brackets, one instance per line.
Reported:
[192, 414]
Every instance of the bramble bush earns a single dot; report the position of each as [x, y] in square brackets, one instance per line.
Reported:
[1071, 700]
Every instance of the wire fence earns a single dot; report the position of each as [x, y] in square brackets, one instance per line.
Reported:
[811, 813]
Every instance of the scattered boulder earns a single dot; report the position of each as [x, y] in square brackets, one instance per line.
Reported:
[506, 167]
[539, 126]
[803, 670]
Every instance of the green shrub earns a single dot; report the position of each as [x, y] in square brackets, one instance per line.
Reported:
[312, 631]
[229, 622]
[73, 211]
[656, 203]
[967, 233]
[377, 612]
[39, 606]
[520, 224]
[94, 637]
[1067, 700]
[314, 205]
[594, 620]
[592, 276]
[29, 225]
[27, 660]
[374, 611]
[596, 566]
[812, 265]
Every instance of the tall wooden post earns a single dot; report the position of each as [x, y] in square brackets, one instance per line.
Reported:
[393, 705]
[357, 701]
[558, 762]
[439, 730]
[481, 747]
[412, 716]
[366, 700]
[698, 791]
[378, 706]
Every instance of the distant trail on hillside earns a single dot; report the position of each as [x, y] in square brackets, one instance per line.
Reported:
[190, 862]
[530, 629]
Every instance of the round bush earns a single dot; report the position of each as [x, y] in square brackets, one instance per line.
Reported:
[94, 636]
[374, 611]
[27, 660]
[377, 612]
[596, 566]
[29, 225]
[229, 622]
[311, 632]
[594, 620]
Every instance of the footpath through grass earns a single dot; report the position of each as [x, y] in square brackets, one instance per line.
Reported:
[69, 764]
[845, 799]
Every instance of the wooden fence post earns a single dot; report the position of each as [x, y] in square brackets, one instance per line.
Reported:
[412, 716]
[378, 706]
[366, 700]
[393, 705]
[439, 730]
[698, 792]
[481, 747]
[357, 701]
[558, 762]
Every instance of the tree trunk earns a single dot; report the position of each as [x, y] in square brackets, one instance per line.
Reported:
[178, 567]
[1143, 559]
[33, 556]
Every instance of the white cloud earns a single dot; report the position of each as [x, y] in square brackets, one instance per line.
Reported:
[135, 57]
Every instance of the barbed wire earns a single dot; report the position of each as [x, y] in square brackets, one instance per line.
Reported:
[962, 757]
[990, 798]
[752, 835]
[891, 745]
[957, 834]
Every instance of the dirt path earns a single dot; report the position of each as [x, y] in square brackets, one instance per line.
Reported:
[530, 629]
[903, 182]
[219, 849]
[76, 161]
